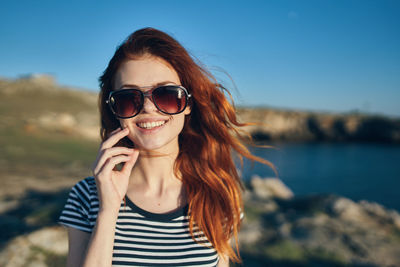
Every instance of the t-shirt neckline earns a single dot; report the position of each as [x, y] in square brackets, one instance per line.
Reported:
[183, 211]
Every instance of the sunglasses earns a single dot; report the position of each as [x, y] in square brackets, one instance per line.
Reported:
[169, 99]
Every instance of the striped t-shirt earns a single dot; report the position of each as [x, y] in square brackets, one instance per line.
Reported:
[142, 238]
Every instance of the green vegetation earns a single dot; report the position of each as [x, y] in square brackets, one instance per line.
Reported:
[288, 253]
[396, 235]
[327, 256]
[24, 152]
[252, 212]
[285, 250]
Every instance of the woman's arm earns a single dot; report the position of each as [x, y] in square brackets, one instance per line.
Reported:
[96, 249]
[77, 245]
[100, 247]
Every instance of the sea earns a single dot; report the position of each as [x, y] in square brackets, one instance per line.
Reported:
[359, 171]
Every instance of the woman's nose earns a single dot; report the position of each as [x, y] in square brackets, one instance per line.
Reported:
[148, 105]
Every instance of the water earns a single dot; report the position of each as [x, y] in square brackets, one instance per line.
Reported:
[357, 171]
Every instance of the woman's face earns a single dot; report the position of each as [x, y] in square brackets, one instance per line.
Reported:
[150, 129]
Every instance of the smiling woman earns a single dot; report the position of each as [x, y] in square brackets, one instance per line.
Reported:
[176, 200]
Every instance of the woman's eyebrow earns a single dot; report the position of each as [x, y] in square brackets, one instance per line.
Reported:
[150, 86]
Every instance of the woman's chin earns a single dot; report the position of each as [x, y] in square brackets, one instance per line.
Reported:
[162, 147]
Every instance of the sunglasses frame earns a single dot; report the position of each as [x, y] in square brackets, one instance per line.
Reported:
[148, 94]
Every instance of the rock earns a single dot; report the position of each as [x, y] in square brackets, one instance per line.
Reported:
[250, 233]
[50, 239]
[36, 249]
[348, 210]
[84, 125]
[265, 188]
[378, 211]
[58, 121]
[322, 230]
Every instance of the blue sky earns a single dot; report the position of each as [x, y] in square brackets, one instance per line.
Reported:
[335, 56]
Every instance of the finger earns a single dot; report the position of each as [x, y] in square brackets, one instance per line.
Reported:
[104, 155]
[116, 130]
[130, 163]
[114, 138]
[112, 162]
[106, 144]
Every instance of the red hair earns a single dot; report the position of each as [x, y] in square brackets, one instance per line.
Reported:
[210, 135]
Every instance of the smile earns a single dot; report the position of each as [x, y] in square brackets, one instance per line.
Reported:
[150, 125]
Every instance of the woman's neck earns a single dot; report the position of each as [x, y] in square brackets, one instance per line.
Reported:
[154, 186]
[154, 172]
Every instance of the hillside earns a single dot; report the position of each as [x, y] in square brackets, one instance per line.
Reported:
[47, 133]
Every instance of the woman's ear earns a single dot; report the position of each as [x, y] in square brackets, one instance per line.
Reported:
[188, 110]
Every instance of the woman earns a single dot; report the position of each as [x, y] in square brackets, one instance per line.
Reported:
[165, 190]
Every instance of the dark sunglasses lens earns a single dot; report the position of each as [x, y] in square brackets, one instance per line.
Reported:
[170, 99]
[126, 103]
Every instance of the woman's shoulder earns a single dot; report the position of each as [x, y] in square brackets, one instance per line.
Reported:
[86, 191]
[86, 186]
[80, 210]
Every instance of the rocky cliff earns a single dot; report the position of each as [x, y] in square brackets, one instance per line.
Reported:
[285, 125]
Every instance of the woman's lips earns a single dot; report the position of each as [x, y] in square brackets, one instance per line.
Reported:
[148, 125]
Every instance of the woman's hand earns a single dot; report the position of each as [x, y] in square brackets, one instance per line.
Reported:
[112, 185]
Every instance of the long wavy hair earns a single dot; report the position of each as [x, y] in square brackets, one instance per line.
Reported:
[208, 143]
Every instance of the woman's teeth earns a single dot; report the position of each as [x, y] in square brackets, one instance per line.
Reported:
[150, 125]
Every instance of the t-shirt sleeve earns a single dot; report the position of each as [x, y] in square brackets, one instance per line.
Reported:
[77, 210]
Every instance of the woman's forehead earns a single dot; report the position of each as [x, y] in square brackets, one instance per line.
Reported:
[145, 71]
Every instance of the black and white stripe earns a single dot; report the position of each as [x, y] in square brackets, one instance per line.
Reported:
[141, 238]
